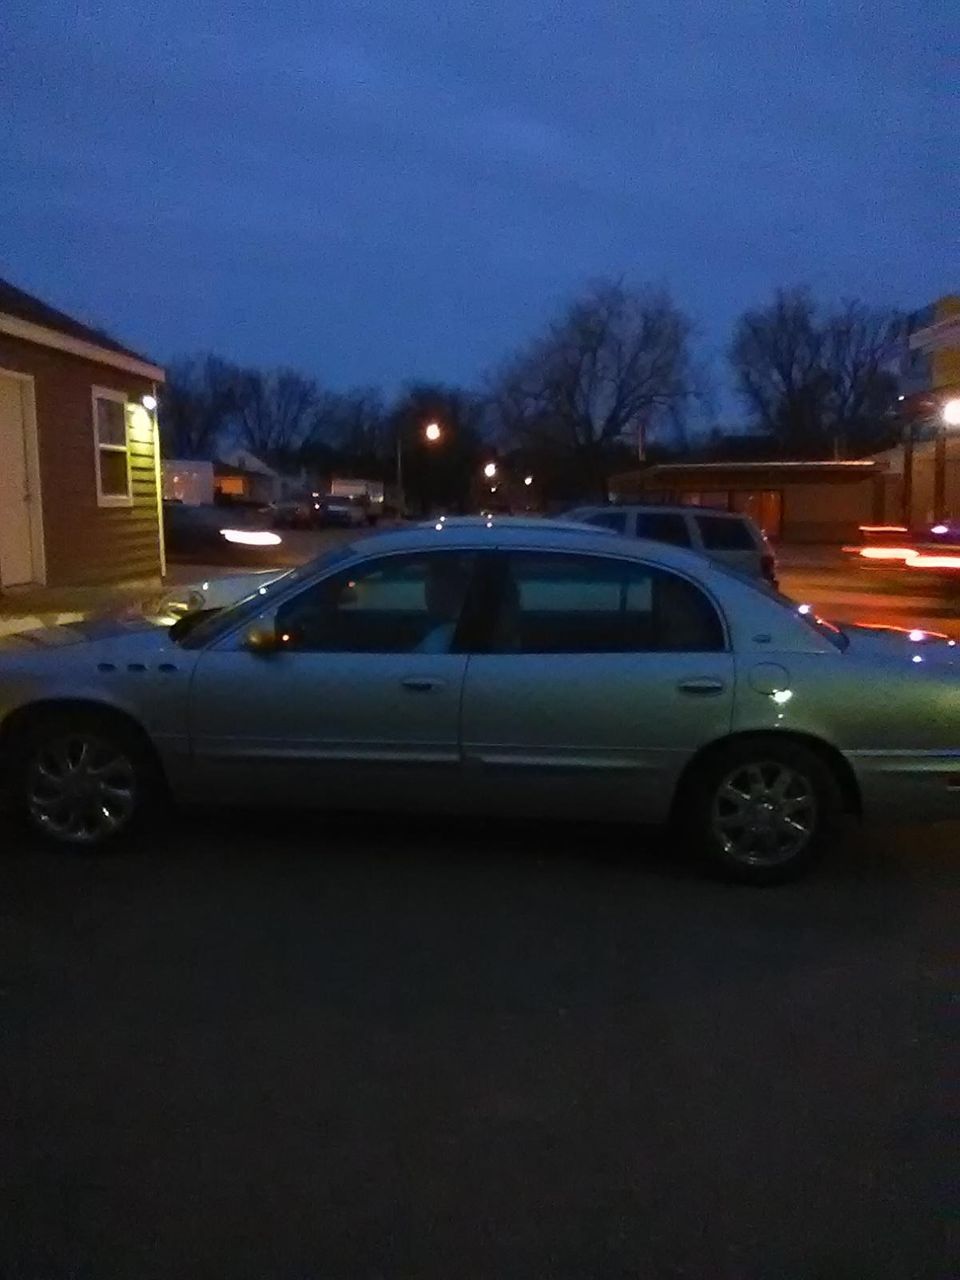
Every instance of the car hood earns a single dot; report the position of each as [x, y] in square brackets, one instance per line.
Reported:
[158, 611]
[895, 642]
[136, 634]
[213, 593]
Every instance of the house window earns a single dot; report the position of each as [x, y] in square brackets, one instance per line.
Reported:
[111, 448]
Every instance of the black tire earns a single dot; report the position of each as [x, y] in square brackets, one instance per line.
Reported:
[121, 779]
[732, 812]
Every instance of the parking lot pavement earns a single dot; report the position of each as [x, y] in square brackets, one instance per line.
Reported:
[302, 1046]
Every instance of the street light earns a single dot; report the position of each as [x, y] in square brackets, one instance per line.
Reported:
[528, 481]
[951, 412]
[432, 432]
[490, 470]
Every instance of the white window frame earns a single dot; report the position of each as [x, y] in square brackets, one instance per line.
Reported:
[110, 499]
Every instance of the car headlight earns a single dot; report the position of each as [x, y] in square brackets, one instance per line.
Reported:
[251, 537]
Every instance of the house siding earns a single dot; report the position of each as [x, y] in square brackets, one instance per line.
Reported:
[85, 543]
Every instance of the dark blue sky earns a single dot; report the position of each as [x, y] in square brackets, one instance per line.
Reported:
[375, 190]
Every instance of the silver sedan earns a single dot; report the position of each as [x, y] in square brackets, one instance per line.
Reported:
[492, 666]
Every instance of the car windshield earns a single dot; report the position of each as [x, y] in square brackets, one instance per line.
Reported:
[197, 629]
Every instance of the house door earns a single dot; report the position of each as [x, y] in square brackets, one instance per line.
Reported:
[21, 545]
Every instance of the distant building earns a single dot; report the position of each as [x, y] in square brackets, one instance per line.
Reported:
[79, 456]
[928, 460]
[241, 476]
[919, 493]
[828, 501]
[929, 363]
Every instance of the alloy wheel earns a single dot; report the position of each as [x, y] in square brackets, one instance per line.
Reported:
[81, 789]
[764, 813]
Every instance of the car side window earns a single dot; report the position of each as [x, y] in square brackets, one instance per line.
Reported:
[663, 526]
[559, 603]
[397, 604]
[616, 520]
[721, 534]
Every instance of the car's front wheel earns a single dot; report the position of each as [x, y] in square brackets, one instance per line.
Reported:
[84, 781]
[761, 811]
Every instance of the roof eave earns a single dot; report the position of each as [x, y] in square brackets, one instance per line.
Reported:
[26, 330]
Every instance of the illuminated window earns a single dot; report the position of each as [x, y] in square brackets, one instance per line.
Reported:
[112, 450]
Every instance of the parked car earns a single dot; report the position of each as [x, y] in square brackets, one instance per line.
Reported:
[219, 534]
[729, 537]
[500, 667]
[367, 494]
[341, 513]
[298, 512]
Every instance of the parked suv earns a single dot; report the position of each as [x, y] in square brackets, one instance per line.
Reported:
[727, 536]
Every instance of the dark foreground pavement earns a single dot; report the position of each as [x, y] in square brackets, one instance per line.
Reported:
[302, 1048]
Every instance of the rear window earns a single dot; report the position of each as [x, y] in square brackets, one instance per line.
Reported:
[720, 534]
[663, 526]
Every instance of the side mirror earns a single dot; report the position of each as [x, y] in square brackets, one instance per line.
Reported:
[261, 638]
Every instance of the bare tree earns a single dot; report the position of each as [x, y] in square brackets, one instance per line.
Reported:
[777, 361]
[861, 394]
[274, 411]
[197, 404]
[814, 381]
[353, 421]
[611, 367]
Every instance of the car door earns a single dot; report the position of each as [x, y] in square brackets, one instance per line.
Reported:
[602, 679]
[358, 700]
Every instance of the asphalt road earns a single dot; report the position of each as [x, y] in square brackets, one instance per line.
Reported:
[845, 589]
[296, 1047]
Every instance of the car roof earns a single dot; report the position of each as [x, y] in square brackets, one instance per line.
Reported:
[531, 534]
[672, 508]
[512, 522]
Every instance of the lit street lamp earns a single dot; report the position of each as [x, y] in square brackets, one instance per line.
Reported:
[951, 412]
[490, 470]
[432, 432]
[528, 481]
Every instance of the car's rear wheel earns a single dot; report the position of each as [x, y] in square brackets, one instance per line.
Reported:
[762, 811]
[86, 781]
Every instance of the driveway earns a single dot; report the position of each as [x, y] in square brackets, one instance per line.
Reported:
[310, 1047]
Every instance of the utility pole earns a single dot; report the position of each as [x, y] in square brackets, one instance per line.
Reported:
[907, 512]
[401, 496]
[940, 471]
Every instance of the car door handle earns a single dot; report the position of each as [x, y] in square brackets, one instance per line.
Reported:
[423, 684]
[702, 686]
